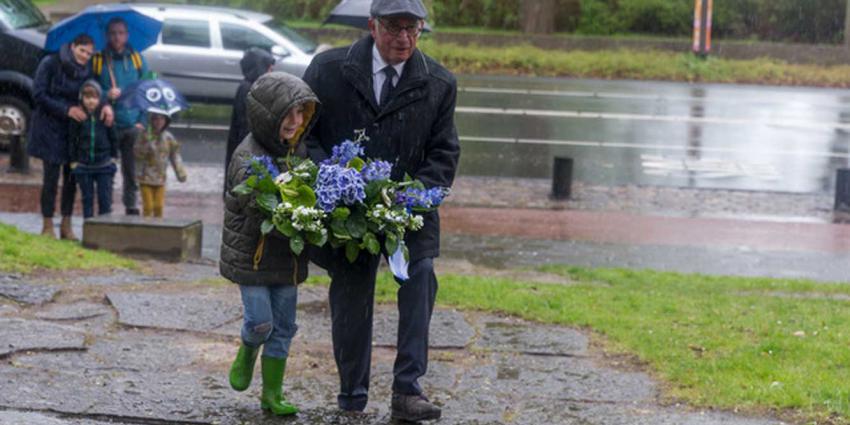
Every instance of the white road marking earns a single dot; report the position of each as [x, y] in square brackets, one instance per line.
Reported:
[808, 125]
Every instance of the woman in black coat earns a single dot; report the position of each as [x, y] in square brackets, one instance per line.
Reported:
[56, 91]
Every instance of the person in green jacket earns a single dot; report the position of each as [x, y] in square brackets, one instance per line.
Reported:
[115, 68]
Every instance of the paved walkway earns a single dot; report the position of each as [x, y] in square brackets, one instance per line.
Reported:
[154, 348]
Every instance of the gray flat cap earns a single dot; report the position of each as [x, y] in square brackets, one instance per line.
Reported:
[413, 8]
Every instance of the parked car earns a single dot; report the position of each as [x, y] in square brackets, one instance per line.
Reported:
[199, 47]
[22, 33]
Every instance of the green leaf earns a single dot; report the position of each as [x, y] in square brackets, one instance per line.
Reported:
[352, 250]
[340, 213]
[356, 225]
[242, 189]
[296, 244]
[251, 181]
[266, 227]
[391, 244]
[357, 164]
[306, 197]
[317, 238]
[371, 243]
[267, 201]
[339, 230]
[266, 185]
[285, 227]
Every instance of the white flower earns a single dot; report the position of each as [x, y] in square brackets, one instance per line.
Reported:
[283, 178]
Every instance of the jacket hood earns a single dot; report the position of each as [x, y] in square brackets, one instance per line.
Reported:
[255, 62]
[269, 100]
[69, 64]
[91, 83]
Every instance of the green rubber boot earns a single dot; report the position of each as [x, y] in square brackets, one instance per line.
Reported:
[242, 370]
[272, 398]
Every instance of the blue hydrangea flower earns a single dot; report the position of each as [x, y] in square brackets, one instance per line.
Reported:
[377, 170]
[267, 162]
[336, 183]
[418, 198]
[345, 152]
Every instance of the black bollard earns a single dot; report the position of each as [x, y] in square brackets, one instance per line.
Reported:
[842, 190]
[19, 161]
[562, 178]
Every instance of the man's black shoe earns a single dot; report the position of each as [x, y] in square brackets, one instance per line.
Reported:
[132, 211]
[414, 408]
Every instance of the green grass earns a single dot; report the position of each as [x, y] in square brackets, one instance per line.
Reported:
[630, 64]
[715, 341]
[22, 252]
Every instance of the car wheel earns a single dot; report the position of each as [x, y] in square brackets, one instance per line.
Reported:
[14, 117]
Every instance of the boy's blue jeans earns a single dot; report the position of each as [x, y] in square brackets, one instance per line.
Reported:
[88, 178]
[269, 317]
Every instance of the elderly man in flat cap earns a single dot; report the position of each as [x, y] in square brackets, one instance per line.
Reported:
[403, 102]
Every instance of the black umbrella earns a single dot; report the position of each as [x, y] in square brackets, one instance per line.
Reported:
[354, 13]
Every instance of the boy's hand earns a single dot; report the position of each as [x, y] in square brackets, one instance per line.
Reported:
[74, 165]
[107, 115]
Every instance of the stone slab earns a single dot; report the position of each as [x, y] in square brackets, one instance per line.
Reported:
[174, 311]
[25, 335]
[512, 335]
[27, 293]
[11, 417]
[449, 328]
[165, 239]
[76, 311]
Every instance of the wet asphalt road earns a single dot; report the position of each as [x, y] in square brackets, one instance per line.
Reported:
[631, 132]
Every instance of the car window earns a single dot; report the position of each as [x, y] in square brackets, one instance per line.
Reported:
[237, 37]
[17, 14]
[305, 44]
[186, 32]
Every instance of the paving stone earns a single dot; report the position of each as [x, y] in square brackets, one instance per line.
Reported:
[117, 278]
[8, 417]
[76, 311]
[449, 328]
[502, 334]
[510, 376]
[23, 335]
[180, 312]
[8, 310]
[27, 293]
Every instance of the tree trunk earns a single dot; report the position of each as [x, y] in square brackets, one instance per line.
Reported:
[847, 26]
[538, 16]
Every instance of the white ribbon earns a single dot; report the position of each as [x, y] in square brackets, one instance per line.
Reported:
[398, 264]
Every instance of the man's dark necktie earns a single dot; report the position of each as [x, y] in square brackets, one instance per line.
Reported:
[387, 88]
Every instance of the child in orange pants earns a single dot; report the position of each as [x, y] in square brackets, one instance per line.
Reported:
[154, 149]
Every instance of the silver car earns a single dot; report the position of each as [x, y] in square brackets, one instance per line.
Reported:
[199, 47]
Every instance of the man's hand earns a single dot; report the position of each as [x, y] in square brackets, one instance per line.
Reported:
[181, 177]
[73, 165]
[140, 126]
[107, 115]
[77, 114]
[113, 93]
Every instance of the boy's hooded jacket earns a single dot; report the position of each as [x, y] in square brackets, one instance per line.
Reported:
[91, 143]
[247, 257]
